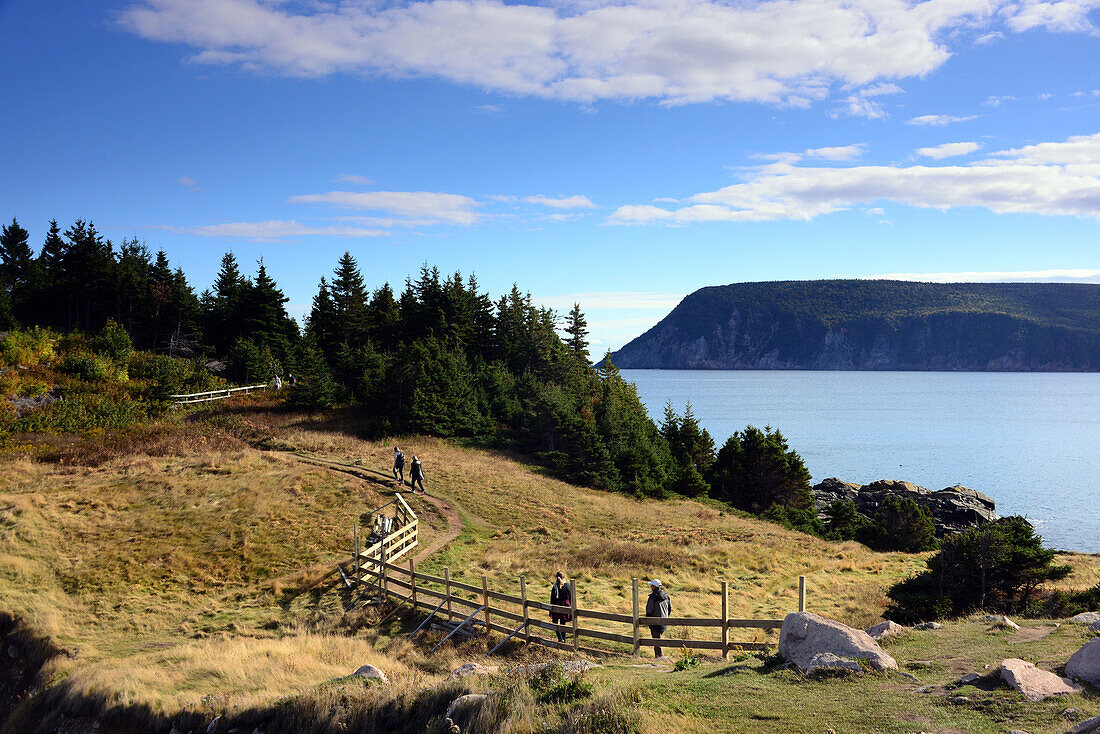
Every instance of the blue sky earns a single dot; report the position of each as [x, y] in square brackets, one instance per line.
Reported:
[621, 154]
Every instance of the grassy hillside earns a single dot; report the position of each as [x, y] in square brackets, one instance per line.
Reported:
[197, 582]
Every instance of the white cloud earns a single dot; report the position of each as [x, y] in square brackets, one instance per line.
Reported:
[351, 178]
[948, 150]
[1093, 93]
[565, 202]
[676, 51]
[188, 182]
[492, 109]
[274, 230]
[425, 207]
[986, 38]
[996, 100]
[839, 153]
[1056, 179]
[939, 120]
[998, 276]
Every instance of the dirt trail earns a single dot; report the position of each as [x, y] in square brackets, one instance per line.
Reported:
[446, 509]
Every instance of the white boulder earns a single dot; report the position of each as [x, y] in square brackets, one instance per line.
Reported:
[1000, 621]
[369, 671]
[886, 629]
[1035, 683]
[928, 626]
[1086, 618]
[1085, 663]
[805, 635]
[474, 669]
[826, 661]
[464, 703]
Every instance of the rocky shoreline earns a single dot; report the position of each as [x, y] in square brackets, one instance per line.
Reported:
[953, 509]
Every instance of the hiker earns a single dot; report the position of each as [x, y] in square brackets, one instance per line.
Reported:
[561, 594]
[416, 476]
[277, 383]
[291, 380]
[398, 466]
[657, 605]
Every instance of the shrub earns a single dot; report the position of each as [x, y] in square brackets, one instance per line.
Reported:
[113, 342]
[28, 348]
[756, 470]
[899, 525]
[998, 566]
[553, 685]
[80, 414]
[86, 366]
[688, 659]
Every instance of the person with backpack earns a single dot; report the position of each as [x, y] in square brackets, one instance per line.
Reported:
[561, 595]
[398, 466]
[416, 476]
[659, 604]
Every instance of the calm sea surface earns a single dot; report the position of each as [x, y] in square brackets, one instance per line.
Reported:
[1029, 441]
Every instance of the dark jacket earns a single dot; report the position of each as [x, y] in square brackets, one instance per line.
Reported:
[561, 595]
[658, 605]
[416, 471]
[398, 460]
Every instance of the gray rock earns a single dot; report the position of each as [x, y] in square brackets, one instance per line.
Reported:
[804, 635]
[928, 626]
[474, 669]
[924, 689]
[1086, 618]
[1018, 731]
[826, 661]
[1094, 627]
[1088, 726]
[1071, 713]
[1000, 621]
[910, 676]
[369, 671]
[967, 679]
[464, 703]
[13, 652]
[960, 700]
[1035, 683]
[568, 666]
[1085, 663]
[953, 509]
[882, 630]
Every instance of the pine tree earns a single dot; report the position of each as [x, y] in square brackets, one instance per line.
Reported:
[577, 328]
[51, 293]
[321, 326]
[17, 270]
[89, 264]
[222, 313]
[384, 319]
[349, 303]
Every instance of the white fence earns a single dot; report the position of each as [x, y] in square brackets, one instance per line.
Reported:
[205, 397]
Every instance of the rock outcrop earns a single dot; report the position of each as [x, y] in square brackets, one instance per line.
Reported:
[369, 671]
[469, 669]
[1035, 683]
[1085, 663]
[953, 509]
[1088, 726]
[805, 635]
[1089, 618]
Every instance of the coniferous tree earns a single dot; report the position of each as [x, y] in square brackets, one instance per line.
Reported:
[576, 326]
[51, 294]
[349, 303]
[133, 292]
[89, 268]
[222, 313]
[384, 319]
[321, 326]
[17, 270]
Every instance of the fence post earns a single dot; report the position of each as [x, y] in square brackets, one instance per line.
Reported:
[485, 601]
[382, 569]
[801, 593]
[447, 591]
[523, 597]
[725, 620]
[412, 581]
[634, 584]
[355, 538]
[576, 606]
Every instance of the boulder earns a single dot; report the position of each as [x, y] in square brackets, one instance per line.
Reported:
[463, 704]
[1035, 683]
[1094, 627]
[1085, 663]
[967, 679]
[928, 626]
[1086, 618]
[826, 661]
[369, 671]
[885, 629]
[1088, 726]
[1000, 621]
[474, 669]
[953, 509]
[804, 635]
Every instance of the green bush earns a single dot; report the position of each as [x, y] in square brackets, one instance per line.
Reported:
[1000, 566]
[899, 525]
[553, 685]
[29, 348]
[85, 366]
[81, 414]
[166, 376]
[113, 342]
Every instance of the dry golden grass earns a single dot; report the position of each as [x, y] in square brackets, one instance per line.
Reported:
[207, 572]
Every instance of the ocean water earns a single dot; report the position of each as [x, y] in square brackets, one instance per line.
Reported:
[1030, 441]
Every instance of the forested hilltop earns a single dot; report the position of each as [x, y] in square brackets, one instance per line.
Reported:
[877, 325]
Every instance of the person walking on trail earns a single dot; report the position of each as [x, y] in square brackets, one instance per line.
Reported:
[416, 475]
[398, 466]
[561, 594]
[657, 605]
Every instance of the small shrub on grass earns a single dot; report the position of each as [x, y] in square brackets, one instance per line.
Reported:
[85, 366]
[28, 348]
[113, 342]
[688, 659]
[607, 714]
[554, 685]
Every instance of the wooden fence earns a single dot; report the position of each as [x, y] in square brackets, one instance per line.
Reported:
[205, 397]
[511, 614]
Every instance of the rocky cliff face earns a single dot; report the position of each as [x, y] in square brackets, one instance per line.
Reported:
[822, 327]
[953, 509]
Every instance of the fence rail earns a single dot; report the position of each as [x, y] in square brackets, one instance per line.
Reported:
[205, 397]
[376, 567]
